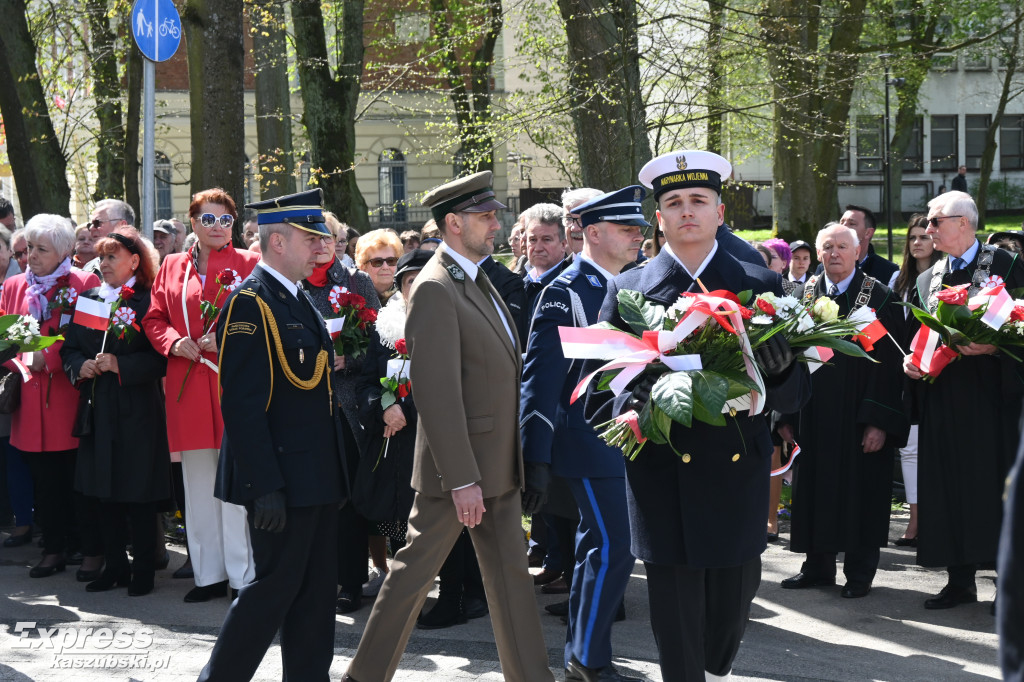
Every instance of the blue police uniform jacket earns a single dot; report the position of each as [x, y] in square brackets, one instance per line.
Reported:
[553, 431]
[277, 436]
[533, 290]
[705, 507]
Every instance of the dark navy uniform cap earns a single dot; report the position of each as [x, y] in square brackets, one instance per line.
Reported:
[800, 244]
[304, 211]
[686, 168]
[621, 206]
[471, 194]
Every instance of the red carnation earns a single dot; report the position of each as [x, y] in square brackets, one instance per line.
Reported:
[954, 295]
[403, 390]
[746, 313]
[765, 307]
[127, 292]
[401, 347]
[1016, 315]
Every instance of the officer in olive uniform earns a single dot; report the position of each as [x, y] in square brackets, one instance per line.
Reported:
[697, 518]
[555, 433]
[282, 454]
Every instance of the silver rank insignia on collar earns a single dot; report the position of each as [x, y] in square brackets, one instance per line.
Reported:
[457, 273]
[302, 356]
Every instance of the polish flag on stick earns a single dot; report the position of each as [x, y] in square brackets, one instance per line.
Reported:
[928, 355]
[999, 307]
[334, 326]
[91, 313]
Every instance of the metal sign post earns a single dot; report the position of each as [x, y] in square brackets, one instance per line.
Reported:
[156, 27]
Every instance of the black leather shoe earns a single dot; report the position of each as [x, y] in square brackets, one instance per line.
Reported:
[348, 678]
[349, 602]
[559, 608]
[855, 590]
[40, 571]
[905, 542]
[802, 580]
[184, 572]
[84, 576]
[207, 592]
[18, 540]
[950, 596]
[577, 672]
[110, 579]
[142, 584]
[773, 537]
[444, 614]
[474, 607]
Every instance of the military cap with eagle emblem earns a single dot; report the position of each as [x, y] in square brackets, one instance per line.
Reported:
[686, 168]
[304, 211]
[621, 206]
[471, 194]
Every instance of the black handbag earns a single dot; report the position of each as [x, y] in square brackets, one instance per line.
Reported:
[10, 391]
[83, 417]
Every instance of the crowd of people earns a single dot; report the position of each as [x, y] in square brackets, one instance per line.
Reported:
[114, 428]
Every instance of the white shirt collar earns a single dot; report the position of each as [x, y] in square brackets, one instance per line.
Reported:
[469, 266]
[967, 256]
[539, 277]
[707, 259]
[843, 286]
[110, 294]
[801, 280]
[607, 275]
[292, 288]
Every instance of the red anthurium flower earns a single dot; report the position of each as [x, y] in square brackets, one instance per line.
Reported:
[401, 347]
[722, 293]
[954, 295]
[765, 307]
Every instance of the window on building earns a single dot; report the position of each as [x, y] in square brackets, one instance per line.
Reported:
[1011, 143]
[162, 184]
[869, 144]
[944, 143]
[913, 157]
[391, 185]
[843, 166]
[975, 129]
[976, 59]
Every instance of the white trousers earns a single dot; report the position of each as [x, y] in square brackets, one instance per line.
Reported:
[218, 532]
[908, 462]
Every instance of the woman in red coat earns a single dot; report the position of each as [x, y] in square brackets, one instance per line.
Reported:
[41, 426]
[218, 540]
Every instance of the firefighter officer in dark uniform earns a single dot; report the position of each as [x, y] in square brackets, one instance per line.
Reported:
[697, 518]
[282, 455]
[556, 435]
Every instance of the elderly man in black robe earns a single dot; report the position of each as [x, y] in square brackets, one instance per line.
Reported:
[969, 417]
[848, 432]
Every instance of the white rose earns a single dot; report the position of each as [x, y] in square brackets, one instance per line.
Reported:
[826, 310]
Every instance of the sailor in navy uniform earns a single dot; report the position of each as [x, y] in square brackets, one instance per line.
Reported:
[282, 454]
[555, 433]
[697, 518]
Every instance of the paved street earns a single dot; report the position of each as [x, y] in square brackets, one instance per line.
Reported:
[793, 635]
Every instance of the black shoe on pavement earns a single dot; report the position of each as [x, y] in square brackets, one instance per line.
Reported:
[559, 608]
[802, 580]
[349, 602]
[109, 579]
[185, 571]
[855, 590]
[444, 614]
[474, 607]
[207, 592]
[577, 672]
[18, 540]
[950, 596]
[141, 585]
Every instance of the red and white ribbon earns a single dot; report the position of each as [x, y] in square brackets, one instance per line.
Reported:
[999, 305]
[788, 465]
[927, 354]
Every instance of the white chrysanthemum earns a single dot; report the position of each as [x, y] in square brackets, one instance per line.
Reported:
[761, 319]
[679, 308]
[804, 322]
[391, 321]
[787, 306]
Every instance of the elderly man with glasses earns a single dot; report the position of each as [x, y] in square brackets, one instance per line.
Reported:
[105, 216]
[969, 416]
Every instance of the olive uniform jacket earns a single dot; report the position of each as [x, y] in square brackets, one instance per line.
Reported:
[465, 373]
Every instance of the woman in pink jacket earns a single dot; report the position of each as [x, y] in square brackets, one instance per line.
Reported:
[218, 536]
[41, 426]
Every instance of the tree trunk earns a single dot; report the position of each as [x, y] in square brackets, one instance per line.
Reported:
[274, 164]
[213, 29]
[716, 77]
[133, 118]
[1011, 60]
[110, 139]
[37, 161]
[329, 105]
[604, 78]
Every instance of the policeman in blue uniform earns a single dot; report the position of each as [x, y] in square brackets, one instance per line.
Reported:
[697, 518]
[282, 454]
[555, 433]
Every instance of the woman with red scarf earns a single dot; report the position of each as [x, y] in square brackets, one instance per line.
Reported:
[353, 529]
[218, 538]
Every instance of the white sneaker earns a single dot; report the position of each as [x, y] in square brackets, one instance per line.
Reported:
[372, 586]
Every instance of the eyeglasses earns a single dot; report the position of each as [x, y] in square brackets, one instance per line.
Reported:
[96, 222]
[18, 255]
[934, 222]
[378, 262]
[208, 220]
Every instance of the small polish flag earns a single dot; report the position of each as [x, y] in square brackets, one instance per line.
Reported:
[817, 356]
[871, 333]
[999, 308]
[92, 313]
[334, 326]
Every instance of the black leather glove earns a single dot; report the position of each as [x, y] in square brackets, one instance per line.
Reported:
[774, 356]
[269, 512]
[640, 394]
[538, 477]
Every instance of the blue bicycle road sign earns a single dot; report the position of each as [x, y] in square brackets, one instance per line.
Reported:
[157, 28]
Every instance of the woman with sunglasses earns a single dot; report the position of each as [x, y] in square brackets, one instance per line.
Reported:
[377, 254]
[218, 537]
[123, 464]
[353, 529]
[41, 425]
